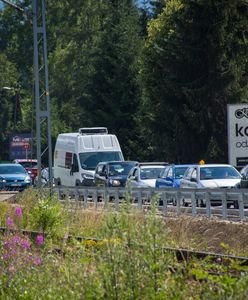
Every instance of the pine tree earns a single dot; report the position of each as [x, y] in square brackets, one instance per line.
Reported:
[194, 63]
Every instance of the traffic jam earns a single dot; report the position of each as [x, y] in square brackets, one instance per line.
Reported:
[93, 157]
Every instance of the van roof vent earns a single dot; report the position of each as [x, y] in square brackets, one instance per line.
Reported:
[93, 130]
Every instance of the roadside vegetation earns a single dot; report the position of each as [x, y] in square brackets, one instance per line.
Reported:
[120, 257]
[158, 75]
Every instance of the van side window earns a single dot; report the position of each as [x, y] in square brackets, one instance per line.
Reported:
[75, 163]
[68, 160]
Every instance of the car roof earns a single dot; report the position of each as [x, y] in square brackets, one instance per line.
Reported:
[11, 164]
[141, 164]
[117, 162]
[215, 165]
[183, 165]
[25, 160]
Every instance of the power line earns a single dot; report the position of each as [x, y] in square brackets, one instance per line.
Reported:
[13, 5]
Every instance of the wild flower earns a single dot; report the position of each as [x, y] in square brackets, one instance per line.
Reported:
[18, 212]
[37, 261]
[10, 222]
[16, 239]
[17, 254]
[89, 243]
[39, 240]
[25, 244]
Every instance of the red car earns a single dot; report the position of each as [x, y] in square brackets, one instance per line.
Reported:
[30, 165]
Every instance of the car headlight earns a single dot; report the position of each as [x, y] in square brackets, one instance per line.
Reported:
[27, 179]
[2, 180]
[87, 176]
[114, 182]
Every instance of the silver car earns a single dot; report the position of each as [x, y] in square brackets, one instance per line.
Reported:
[210, 176]
[145, 174]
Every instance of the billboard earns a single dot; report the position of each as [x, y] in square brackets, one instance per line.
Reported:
[20, 145]
[237, 124]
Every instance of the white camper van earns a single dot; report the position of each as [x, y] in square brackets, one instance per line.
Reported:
[77, 154]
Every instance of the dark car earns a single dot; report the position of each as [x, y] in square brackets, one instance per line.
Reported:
[171, 176]
[14, 177]
[113, 173]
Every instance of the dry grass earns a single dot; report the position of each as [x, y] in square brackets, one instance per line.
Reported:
[209, 234]
[198, 233]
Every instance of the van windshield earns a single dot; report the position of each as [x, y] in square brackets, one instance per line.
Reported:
[89, 160]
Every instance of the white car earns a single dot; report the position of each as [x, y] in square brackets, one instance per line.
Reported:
[145, 174]
[210, 176]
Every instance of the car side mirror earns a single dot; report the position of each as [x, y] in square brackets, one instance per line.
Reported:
[244, 177]
[74, 168]
[103, 174]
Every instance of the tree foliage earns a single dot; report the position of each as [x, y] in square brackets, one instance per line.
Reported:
[194, 63]
[163, 89]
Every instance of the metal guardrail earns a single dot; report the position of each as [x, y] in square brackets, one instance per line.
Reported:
[225, 203]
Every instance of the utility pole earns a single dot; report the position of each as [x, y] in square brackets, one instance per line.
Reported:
[42, 98]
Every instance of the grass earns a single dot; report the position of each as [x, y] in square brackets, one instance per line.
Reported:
[128, 261]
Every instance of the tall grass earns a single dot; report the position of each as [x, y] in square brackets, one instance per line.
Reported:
[126, 262]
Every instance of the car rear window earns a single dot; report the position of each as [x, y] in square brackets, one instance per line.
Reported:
[150, 173]
[27, 164]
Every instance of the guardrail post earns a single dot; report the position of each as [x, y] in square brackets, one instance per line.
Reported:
[85, 198]
[178, 201]
[139, 200]
[224, 206]
[241, 206]
[76, 194]
[193, 204]
[208, 204]
[95, 198]
[116, 200]
[106, 198]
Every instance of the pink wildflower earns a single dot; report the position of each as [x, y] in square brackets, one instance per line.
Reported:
[37, 261]
[18, 212]
[10, 222]
[25, 244]
[16, 239]
[40, 240]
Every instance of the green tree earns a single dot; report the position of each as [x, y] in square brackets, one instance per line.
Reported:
[8, 79]
[96, 62]
[194, 63]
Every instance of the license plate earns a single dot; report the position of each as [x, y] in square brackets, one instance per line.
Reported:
[16, 184]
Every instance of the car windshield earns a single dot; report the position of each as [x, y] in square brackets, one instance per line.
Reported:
[15, 169]
[120, 168]
[89, 160]
[179, 172]
[225, 172]
[150, 173]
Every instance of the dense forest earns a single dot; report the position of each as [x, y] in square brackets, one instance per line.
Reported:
[158, 74]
